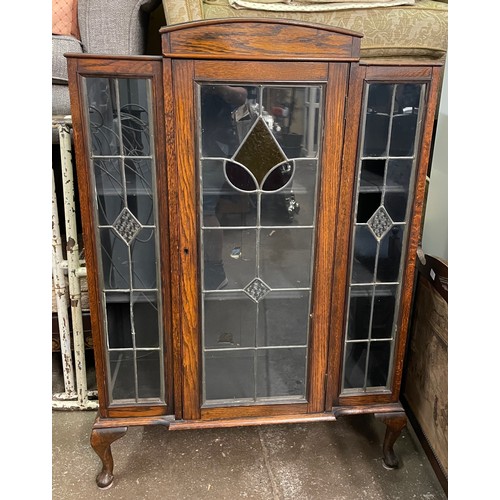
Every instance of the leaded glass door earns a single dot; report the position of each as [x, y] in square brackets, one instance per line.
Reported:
[257, 176]
[258, 180]
[121, 173]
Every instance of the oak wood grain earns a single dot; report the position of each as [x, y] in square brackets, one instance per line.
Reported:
[327, 208]
[252, 411]
[261, 72]
[259, 39]
[343, 231]
[243, 422]
[172, 195]
[184, 113]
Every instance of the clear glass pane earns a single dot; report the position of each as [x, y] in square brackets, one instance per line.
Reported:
[355, 364]
[378, 364]
[405, 119]
[102, 108]
[383, 311]
[365, 250]
[143, 256]
[145, 319]
[122, 375]
[295, 204]
[230, 320]
[281, 372]
[115, 260]
[149, 374]
[368, 204]
[222, 204]
[139, 180]
[229, 375]
[399, 173]
[109, 186]
[283, 319]
[360, 307]
[378, 117]
[134, 116]
[118, 320]
[390, 255]
[294, 114]
[372, 175]
[227, 114]
[229, 258]
[285, 257]
[396, 204]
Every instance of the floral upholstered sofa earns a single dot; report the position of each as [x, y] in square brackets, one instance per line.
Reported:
[391, 28]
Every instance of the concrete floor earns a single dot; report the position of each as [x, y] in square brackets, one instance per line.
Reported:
[315, 461]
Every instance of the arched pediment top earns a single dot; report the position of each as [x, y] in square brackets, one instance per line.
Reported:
[259, 39]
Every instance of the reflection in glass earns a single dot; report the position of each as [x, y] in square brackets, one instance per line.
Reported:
[360, 308]
[229, 375]
[123, 175]
[355, 364]
[145, 319]
[372, 175]
[378, 364]
[134, 101]
[386, 166]
[229, 258]
[377, 119]
[281, 372]
[139, 179]
[364, 255]
[285, 257]
[283, 318]
[149, 374]
[390, 249]
[230, 320]
[368, 203]
[405, 118]
[119, 327]
[122, 375]
[384, 306]
[102, 102]
[258, 173]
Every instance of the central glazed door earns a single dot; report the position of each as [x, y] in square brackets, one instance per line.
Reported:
[257, 187]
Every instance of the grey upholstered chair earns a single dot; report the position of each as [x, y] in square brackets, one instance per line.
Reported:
[106, 27]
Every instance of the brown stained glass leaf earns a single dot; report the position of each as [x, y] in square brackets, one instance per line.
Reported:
[260, 152]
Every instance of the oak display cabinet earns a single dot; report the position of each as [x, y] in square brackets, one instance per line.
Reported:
[251, 205]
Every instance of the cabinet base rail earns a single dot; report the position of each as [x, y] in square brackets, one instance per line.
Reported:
[107, 430]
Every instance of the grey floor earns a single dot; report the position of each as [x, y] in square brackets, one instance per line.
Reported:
[315, 461]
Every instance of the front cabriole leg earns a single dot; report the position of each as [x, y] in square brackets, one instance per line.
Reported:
[395, 422]
[100, 441]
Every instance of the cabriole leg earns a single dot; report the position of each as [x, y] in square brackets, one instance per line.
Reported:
[101, 440]
[395, 423]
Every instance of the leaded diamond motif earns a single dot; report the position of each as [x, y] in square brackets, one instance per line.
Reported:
[127, 226]
[256, 289]
[380, 222]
